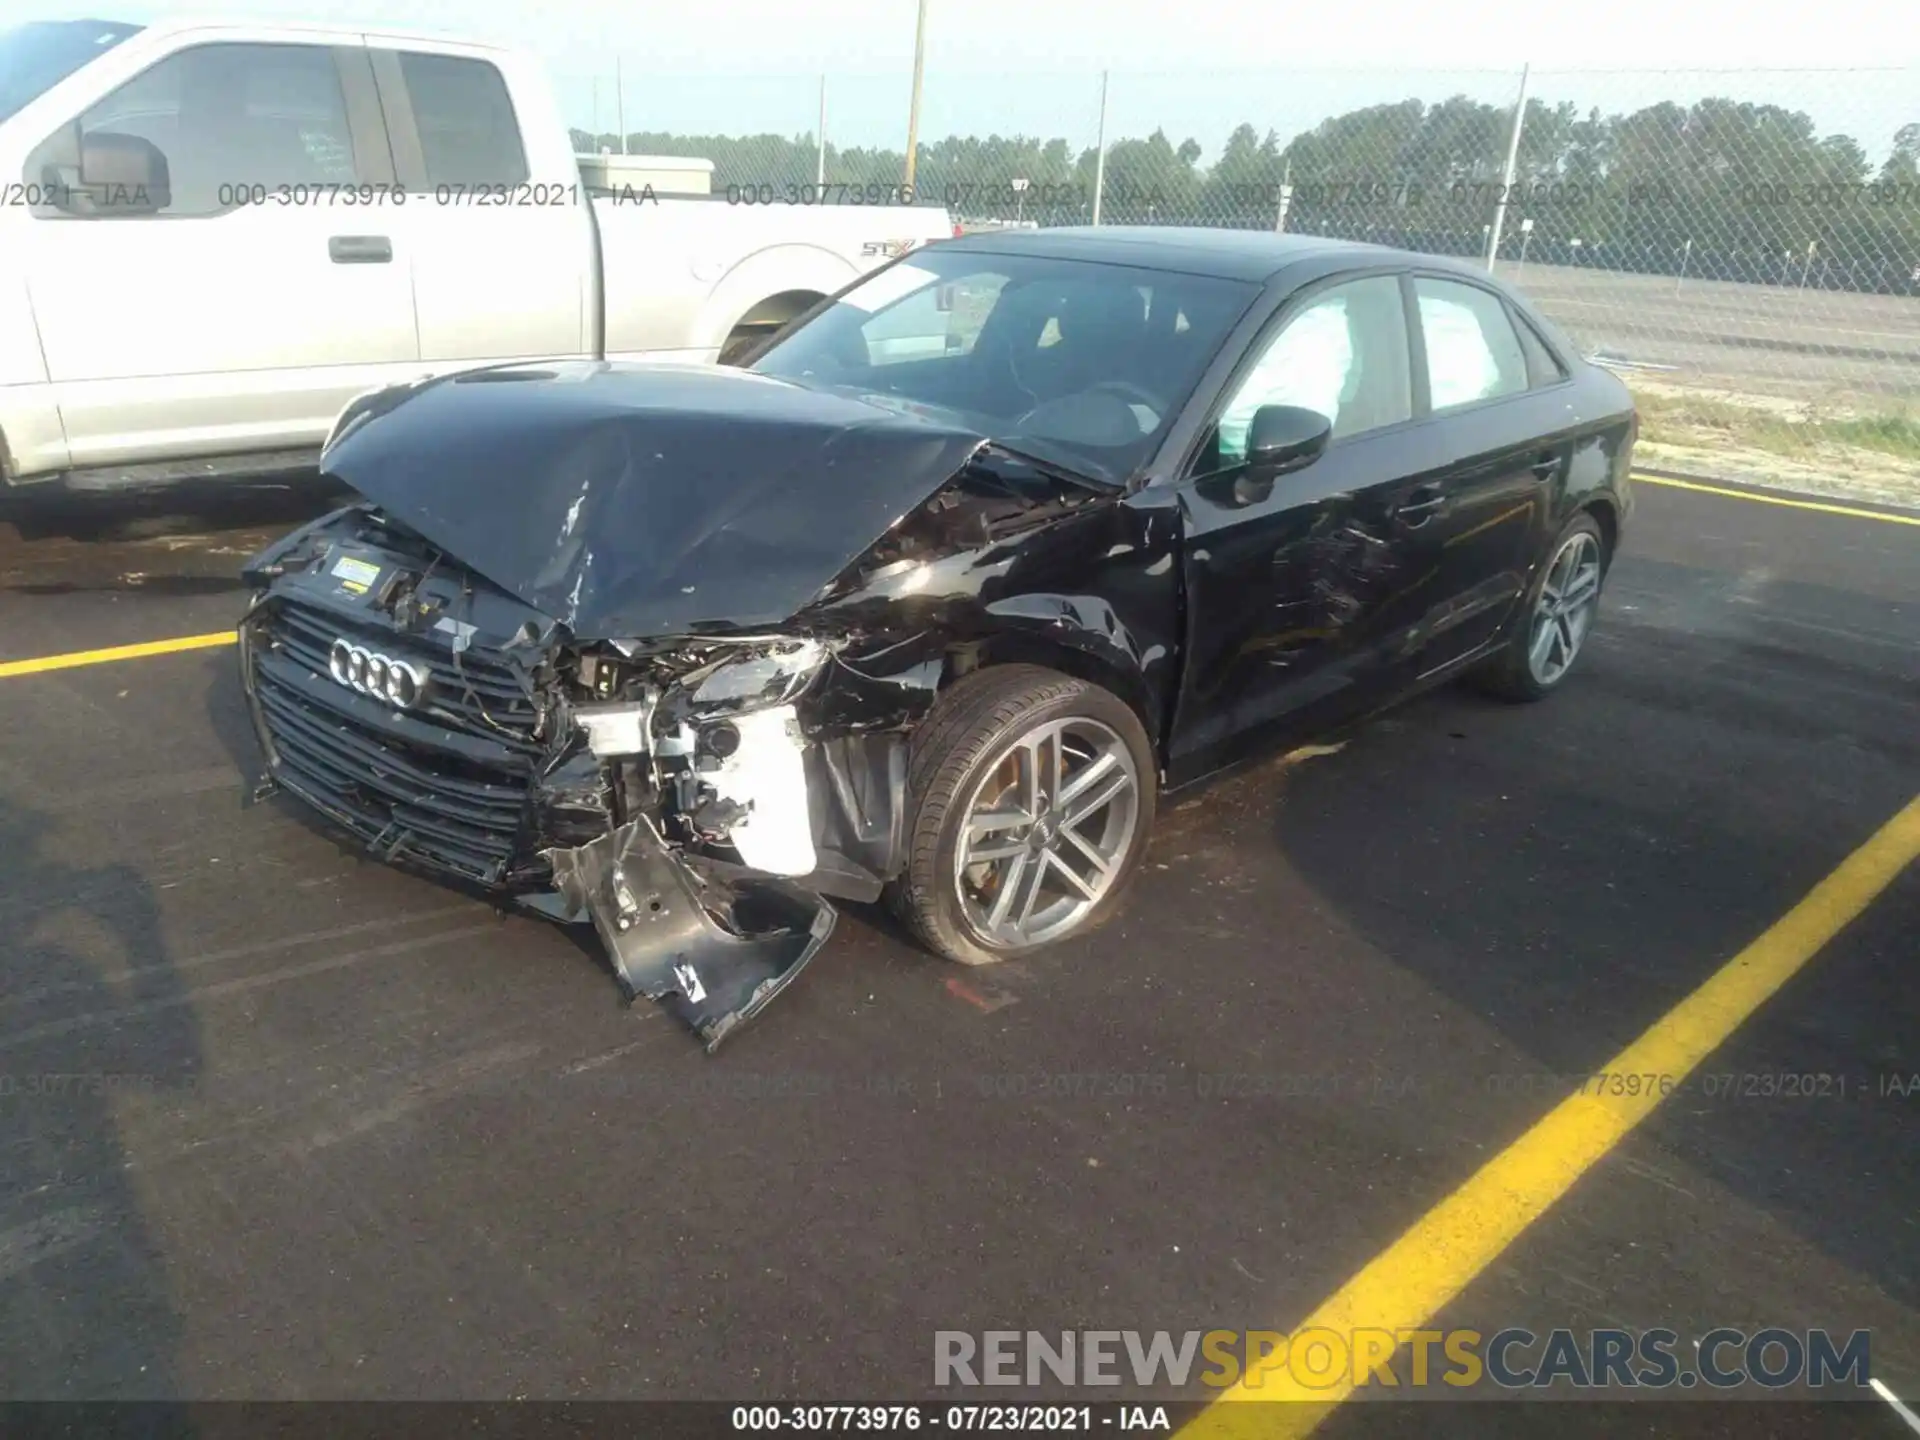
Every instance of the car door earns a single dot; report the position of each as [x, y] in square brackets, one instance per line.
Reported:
[1494, 419]
[240, 306]
[500, 253]
[1299, 589]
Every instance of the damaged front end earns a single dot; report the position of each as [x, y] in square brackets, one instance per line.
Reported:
[754, 791]
[693, 799]
[645, 649]
[657, 918]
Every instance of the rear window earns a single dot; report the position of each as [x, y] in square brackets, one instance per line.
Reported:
[1542, 367]
[469, 134]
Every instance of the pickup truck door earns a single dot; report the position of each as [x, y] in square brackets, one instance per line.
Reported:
[241, 306]
[501, 236]
[1300, 589]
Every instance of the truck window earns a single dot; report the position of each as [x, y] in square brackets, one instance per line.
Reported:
[469, 134]
[235, 122]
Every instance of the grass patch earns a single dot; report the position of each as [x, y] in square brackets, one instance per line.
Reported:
[1678, 419]
[1889, 434]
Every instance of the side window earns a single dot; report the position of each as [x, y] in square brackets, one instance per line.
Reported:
[469, 134]
[1472, 350]
[233, 122]
[1345, 355]
[1542, 367]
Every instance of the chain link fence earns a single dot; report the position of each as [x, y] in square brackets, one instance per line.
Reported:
[1750, 236]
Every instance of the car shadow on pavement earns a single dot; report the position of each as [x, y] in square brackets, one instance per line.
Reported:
[94, 1020]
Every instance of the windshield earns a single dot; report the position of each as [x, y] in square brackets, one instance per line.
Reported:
[40, 54]
[1078, 362]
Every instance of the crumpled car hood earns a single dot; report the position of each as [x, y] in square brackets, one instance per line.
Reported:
[644, 500]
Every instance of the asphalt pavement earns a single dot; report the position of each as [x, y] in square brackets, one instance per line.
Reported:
[340, 1133]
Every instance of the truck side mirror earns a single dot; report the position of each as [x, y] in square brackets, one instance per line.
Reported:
[120, 175]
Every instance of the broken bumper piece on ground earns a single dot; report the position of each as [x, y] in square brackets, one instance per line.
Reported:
[652, 912]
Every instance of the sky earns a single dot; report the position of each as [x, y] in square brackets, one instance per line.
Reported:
[744, 66]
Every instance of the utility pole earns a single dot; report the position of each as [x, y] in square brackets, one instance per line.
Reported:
[620, 104]
[820, 157]
[1100, 151]
[1506, 177]
[913, 109]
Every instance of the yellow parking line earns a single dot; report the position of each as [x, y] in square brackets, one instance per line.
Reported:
[1852, 510]
[73, 661]
[1409, 1283]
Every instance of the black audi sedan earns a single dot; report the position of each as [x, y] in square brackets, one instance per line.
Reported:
[936, 597]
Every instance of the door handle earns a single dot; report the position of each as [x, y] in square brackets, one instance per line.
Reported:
[1545, 466]
[359, 249]
[1422, 504]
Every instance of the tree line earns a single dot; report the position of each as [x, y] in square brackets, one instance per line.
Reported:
[1719, 189]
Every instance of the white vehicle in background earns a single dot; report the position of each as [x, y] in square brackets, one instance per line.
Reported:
[217, 234]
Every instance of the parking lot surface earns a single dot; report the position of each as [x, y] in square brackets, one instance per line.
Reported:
[365, 1138]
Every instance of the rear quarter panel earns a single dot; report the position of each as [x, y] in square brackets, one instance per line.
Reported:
[1601, 462]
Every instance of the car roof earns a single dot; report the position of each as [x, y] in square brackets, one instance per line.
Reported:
[1256, 255]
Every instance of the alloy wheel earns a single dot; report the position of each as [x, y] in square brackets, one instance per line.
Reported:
[1047, 832]
[1564, 612]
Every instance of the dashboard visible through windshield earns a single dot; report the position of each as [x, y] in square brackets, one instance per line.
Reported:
[1075, 360]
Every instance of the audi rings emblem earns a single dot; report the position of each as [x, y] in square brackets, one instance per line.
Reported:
[398, 682]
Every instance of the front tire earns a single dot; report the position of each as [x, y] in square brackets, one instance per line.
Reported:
[1033, 795]
[1552, 631]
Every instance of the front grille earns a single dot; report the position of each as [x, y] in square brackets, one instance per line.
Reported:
[434, 787]
[471, 692]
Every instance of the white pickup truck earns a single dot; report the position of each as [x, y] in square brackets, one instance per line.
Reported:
[214, 235]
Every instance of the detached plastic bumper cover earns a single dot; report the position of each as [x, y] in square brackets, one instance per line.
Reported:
[647, 906]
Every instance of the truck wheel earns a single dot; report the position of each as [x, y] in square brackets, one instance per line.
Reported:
[1033, 795]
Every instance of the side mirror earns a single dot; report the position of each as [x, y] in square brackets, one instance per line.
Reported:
[121, 175]
[1285, 438]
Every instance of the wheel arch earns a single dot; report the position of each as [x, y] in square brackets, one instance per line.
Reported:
[769, 281]
[1029, 647]
[1606, 514]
